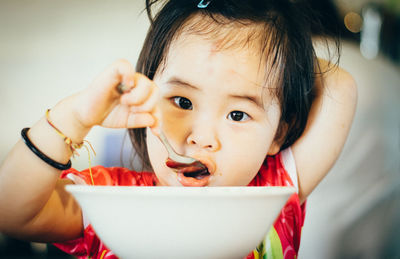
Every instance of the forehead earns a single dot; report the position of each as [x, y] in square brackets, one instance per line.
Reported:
[198, 58]
[215, 42]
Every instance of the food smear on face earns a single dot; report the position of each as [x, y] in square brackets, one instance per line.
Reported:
[194, 174]
[197, 165]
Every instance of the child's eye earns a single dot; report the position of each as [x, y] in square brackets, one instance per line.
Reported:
[238, 116]
[183, 103]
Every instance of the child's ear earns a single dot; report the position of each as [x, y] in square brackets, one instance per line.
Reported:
[279, 139]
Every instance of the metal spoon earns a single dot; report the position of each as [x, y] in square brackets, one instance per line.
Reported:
[178, 161]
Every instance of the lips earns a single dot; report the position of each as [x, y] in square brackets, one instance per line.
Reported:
[192, 175]
[192, 181]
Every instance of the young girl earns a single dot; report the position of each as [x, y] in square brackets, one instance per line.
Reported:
[232, 83]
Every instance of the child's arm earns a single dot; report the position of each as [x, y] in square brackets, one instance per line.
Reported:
[33, 203]
[327, 128]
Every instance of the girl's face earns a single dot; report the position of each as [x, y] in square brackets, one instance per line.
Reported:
[215, 108]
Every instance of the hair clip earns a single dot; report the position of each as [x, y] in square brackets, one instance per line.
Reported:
[203, 4]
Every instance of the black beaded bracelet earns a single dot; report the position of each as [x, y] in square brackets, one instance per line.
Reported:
[42, 156]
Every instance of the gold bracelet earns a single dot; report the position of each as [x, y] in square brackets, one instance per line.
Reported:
[67, 140]
[73, 146]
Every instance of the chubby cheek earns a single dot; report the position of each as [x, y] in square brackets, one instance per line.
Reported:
[244, 154]
[175, 124]
[244, 165]
[158, 155]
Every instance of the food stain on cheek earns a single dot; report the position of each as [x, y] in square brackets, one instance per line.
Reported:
[175, 127]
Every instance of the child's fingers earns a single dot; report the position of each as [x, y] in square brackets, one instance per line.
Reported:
[149, 104]
[140, 120]
[148, 108]
[120, 71]
[140, 92]
[156, 127]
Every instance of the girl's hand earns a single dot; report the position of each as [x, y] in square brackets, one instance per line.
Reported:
[102, 104]
[42, 202]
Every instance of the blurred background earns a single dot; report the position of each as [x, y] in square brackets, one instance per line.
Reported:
[50, 49]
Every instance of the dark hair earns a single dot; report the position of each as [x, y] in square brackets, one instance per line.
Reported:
[287, 43]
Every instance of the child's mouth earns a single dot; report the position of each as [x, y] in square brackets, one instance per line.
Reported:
[190, 175]
[197, 174]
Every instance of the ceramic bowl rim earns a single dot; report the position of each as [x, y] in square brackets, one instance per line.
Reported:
[168, 191]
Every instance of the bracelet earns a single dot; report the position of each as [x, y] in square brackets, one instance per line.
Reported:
[42, 156]
[72, 146]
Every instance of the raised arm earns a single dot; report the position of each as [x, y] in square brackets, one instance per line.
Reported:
[33, 202]
[328, 125]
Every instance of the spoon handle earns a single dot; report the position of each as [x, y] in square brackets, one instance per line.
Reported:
[171, 152]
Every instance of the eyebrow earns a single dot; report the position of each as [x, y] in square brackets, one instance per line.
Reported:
[250, 98]
[180, 82]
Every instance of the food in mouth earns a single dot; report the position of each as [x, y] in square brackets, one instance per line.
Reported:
[195, 170]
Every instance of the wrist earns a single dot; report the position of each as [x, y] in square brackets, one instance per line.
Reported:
[67, 119]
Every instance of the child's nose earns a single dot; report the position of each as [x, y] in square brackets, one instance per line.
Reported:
[204, 137]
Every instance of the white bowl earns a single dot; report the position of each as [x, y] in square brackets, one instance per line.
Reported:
[181, 222]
